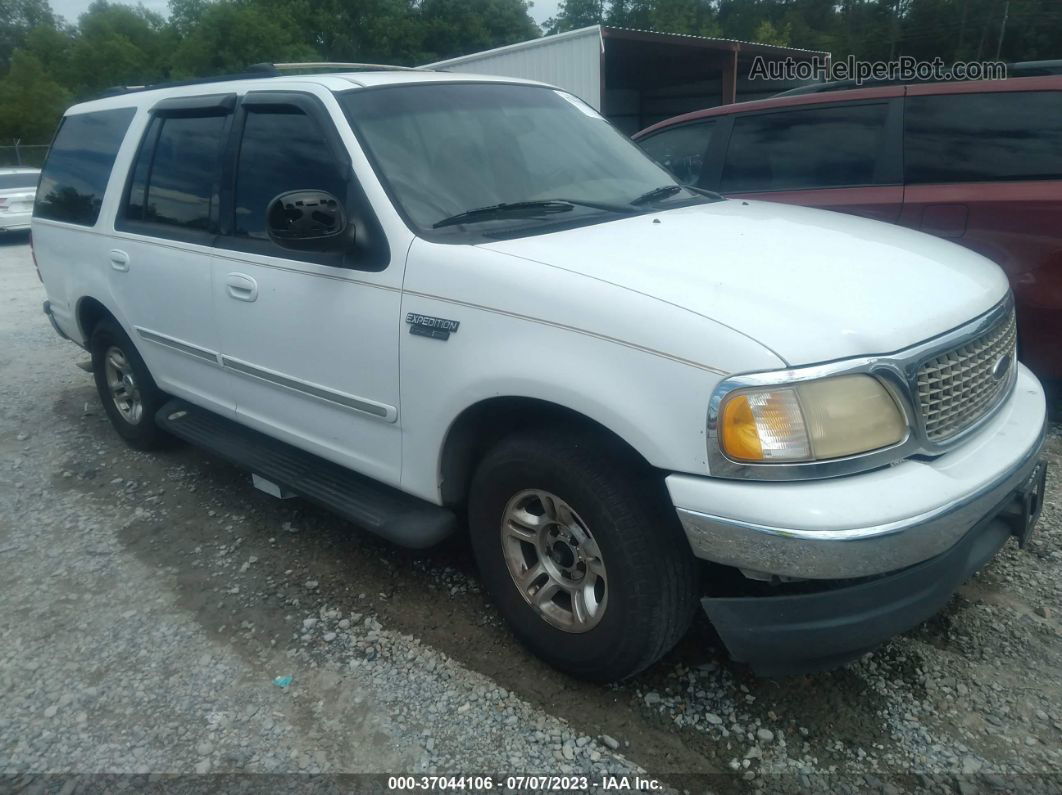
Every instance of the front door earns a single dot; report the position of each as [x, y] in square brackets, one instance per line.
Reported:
[309, 337]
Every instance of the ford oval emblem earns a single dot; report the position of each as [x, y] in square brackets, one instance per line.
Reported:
[999, 369]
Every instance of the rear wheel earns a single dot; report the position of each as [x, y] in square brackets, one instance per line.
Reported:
[581, 552]
[128, 392]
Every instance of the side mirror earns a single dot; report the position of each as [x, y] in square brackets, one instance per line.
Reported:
[308, 220]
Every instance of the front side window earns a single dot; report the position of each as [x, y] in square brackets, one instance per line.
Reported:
[831, 147]
[282, 150]
[75, 175]
[445, 149]
[1014, 135]
[681, 150]
[176, 174]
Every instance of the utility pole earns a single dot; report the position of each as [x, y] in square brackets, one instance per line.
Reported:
[1002, 28]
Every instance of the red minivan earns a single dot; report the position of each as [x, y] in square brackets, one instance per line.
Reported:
[979, 163]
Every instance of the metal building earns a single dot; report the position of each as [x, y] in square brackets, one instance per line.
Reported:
[637, 77]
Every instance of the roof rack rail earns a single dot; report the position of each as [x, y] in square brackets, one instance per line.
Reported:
[256, 72]
[253, 72]
[358, 67]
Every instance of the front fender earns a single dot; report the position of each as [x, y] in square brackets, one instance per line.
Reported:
[629, 362]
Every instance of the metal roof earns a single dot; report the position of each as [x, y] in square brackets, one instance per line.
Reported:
[664, 36]
[602, 32]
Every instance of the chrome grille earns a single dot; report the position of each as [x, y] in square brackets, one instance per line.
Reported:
[957, 388]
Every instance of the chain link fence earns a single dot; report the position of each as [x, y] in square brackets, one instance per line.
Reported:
[26, 155]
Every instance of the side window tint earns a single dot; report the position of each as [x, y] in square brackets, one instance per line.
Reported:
[179, 185]
[815, 148]
[681, 150]
[134, 209]
[79, 164]
[1014, 135]
[282, 150]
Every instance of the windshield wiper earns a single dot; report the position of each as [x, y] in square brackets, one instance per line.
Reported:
[664, 191]
[532, 208]
[657, 193]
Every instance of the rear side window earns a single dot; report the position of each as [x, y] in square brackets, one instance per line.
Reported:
[10, 181]
[681, 150]
[282, 150]
[79, 164]
[983, 137]
[176, 174]
[829, 147]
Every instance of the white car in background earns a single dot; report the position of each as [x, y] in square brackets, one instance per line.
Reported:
[18, 188]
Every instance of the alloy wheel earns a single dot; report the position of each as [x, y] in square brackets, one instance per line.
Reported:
[554, 560]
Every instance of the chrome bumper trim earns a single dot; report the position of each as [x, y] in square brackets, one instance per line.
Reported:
[858, 552]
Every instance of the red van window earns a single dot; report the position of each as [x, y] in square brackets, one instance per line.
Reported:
[681, 149]
[1015, 135]
[826, 147]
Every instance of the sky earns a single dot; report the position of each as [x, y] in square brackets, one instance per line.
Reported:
[72, 9]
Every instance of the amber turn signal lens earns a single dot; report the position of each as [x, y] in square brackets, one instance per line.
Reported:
[765, 426]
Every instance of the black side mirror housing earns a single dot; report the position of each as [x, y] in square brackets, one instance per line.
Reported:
[309, 220]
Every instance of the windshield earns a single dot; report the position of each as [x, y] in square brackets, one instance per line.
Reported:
[444, 150]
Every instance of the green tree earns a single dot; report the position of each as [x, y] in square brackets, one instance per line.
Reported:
[228, 37]
[455, 27]
[30, 101]
[766, 33]
[575, 14]
[117, 45]
[17, 19]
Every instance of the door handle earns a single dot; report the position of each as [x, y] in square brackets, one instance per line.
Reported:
[241, 287]
[119, 260]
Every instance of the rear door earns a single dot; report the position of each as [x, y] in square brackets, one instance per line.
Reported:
[160, 258]
[984, 169]
[836, 156]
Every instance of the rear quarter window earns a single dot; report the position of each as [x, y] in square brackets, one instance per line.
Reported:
[1007, 136]
[74, 177]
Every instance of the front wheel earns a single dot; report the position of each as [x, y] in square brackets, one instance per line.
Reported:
[581, 552]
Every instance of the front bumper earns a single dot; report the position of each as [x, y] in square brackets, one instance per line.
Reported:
[801, 633]
[871, 523]
[877, 552]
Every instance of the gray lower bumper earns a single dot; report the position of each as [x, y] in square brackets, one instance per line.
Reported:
[858, 552]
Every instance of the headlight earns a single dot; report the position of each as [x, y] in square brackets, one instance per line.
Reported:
[811, 421]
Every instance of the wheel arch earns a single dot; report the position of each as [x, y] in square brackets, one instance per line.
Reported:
[89, 312]
[484, 423]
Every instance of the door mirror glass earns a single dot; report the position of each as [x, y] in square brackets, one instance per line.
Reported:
[308, 220]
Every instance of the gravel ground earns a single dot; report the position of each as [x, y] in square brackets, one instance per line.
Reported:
[151, 601]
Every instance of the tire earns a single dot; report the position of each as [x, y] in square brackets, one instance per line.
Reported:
[115, 357]
[625, 533]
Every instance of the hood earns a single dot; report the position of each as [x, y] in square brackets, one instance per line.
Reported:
[811, 285]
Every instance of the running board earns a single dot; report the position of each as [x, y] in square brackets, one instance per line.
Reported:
[398, 517]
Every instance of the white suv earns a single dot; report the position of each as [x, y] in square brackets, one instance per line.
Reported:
[414, 296]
